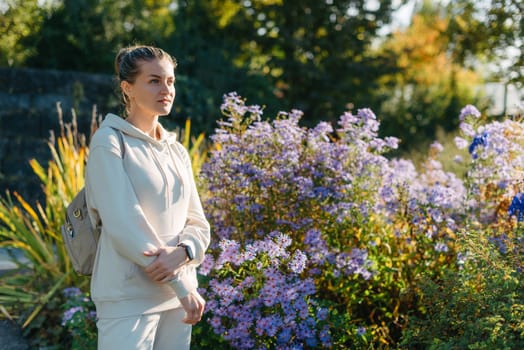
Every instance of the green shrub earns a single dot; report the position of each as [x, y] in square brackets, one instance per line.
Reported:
[479, 306]
[31, 292]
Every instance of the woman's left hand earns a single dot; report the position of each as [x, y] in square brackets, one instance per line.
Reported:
[165, 266]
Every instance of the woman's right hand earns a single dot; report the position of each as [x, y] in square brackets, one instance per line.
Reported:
[166, 264]
[194, 306]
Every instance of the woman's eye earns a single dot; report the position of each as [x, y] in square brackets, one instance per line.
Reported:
[154, 81]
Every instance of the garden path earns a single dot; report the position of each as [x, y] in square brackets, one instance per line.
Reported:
[10, 333]
[11, 336]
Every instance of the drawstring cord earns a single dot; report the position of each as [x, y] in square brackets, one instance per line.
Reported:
[179, 173]
[164, 176]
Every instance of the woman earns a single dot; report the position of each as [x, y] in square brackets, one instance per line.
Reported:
[140, 184]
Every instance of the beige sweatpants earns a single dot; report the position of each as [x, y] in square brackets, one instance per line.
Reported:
[158, 331]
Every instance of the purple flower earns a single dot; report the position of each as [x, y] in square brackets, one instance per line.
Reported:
[355, 262]
[469, 110]
[70, 313]
[322, 313]
[206, 265]
[230, 252]
[437, 147]
[461, 143]
[284, 336]
[361, 331]
[501, 242]
[71, 292]
[325, 337]
[392, 142]
[467, 129]
[298, 262]
[441, 247]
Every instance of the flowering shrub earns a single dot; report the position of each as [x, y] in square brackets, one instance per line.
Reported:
[481, 304]
[79, 318]
[368, 226]
[494, 179]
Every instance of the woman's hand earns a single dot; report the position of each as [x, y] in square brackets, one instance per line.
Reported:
[193, 305]
[165, 266]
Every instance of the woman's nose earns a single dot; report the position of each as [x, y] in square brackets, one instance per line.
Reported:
[167, 88]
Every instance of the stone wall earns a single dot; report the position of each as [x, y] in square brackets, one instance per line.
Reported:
[28, 111]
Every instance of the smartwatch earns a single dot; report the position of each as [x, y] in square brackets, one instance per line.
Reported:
[189, 251]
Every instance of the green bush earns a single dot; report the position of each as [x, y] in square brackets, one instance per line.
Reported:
[31, 292]
[479, 306]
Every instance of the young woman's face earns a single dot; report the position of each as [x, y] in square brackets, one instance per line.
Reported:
[153, 92]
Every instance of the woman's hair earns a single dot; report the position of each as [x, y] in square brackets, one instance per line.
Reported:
[127, 64]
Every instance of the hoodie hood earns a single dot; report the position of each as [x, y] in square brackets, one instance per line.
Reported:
[114, 121]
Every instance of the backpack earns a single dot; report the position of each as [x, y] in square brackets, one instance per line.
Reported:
[79, 234]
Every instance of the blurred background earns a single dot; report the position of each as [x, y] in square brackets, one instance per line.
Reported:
[415, 63]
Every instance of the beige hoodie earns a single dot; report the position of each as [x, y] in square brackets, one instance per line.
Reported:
[146, 200]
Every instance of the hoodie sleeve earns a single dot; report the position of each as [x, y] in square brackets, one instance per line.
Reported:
[196, 232]
[109, 190]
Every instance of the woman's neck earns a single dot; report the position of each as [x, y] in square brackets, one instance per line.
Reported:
[147, 125]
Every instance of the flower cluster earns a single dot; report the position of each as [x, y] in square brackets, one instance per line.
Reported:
[497, 150]
[258, 299]
[469, 111]
[494, 178]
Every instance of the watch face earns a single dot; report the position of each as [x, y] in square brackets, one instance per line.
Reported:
[188, 250]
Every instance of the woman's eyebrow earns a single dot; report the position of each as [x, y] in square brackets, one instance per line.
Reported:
[153, 75]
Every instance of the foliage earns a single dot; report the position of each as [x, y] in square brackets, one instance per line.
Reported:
[197, 147]
[208, 64]
[19, 19]
[79, 318]
[325, 242]
[311, 55]
[316, 56]
[90, 31]
[315, 53]
[367, 225]
[492, 31]
[480, 306]
[44, 267]
[416, 102]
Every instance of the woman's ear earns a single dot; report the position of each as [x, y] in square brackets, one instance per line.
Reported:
[126, 88]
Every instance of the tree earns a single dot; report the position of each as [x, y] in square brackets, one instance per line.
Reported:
[207, 63]
[429, 89]
[84, 35]
[315, 53]
[492, 30]
[19, 19]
